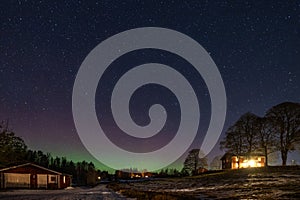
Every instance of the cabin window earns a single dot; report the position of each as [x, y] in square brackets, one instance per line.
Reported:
[52, 179]
[64, 179]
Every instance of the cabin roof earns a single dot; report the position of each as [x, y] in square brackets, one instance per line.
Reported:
[30, 164]
[228, 154]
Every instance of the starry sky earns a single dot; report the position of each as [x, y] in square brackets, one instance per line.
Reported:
[255, 44]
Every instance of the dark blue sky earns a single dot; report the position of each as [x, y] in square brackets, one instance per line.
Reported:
[255, 44]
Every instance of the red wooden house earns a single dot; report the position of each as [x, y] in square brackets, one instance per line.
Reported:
[232, 161]
[33, 176]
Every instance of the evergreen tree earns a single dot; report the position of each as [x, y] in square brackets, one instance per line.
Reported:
[12, 148]
[193, 162]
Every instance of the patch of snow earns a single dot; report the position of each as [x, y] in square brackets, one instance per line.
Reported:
[69, 188]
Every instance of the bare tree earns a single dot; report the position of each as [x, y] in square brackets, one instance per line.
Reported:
[233, 141]
[242, 137]
[267, 139]
[286, 123]
[248, 128]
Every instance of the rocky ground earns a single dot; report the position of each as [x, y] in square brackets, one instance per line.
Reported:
[255, 183]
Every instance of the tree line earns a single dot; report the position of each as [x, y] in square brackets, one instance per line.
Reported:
[13, 151]
[278, 130]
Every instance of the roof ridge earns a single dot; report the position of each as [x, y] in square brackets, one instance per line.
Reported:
[25, 164]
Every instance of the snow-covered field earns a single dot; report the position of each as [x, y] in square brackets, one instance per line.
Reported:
[99, 192]
[272, 183]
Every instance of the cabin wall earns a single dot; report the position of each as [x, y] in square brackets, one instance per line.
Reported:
[245, 161]
[33, 177]
[226, 162]
[65, 181]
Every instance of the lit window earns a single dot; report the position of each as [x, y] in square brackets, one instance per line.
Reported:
[258, 165]
[252, 163]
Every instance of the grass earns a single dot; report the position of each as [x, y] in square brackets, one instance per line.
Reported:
[253, 183]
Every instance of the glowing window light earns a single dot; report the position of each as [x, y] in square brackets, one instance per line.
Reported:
[258, 165]
[244, 164]
[251, 163]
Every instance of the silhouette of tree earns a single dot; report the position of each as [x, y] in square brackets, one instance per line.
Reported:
[267, 139]
[12, 148]
[242, 137]
[248, 127]
[193, 162]
[286, 122]
[91, 174]
[233, 141]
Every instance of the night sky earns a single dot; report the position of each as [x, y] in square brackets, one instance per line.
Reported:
[255, 45]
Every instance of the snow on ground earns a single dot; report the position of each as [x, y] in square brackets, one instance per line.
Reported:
[98, 192]
[271, 183]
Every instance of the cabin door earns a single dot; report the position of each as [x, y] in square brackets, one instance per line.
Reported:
[33, 181]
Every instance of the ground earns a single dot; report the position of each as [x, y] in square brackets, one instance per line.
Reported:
[99, 192]
[256, 183]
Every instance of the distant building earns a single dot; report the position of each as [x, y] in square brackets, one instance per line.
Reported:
[201, 170]
[119, 174]
[33, 177]
[232, 161]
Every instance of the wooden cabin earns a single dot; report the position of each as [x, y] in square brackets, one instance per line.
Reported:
[33, 176]
[232, 161]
